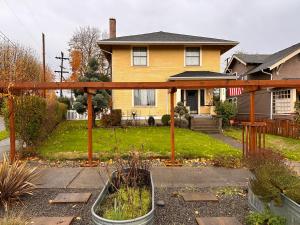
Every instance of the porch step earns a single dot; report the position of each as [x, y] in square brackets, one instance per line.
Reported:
[208, 131]
[206, 125]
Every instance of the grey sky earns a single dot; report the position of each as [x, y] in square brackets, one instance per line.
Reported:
[261, 26]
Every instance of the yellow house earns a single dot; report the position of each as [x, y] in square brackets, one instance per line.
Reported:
[162, 56]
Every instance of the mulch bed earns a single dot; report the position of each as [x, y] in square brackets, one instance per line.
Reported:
[176, 211]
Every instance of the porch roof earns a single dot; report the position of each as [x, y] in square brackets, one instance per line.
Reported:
[202, 75]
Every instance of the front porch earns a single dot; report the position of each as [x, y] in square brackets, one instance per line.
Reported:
[200, 101]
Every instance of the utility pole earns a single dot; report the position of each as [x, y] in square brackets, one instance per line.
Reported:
[61, 71]
[44, 63]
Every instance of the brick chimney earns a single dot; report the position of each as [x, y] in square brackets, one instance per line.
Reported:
[112, 28]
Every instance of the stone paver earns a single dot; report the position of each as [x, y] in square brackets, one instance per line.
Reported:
[162, 177]
[199, 196]
[71, 198]
[217, 221]
[90, 178]
[296, 166]
[51, 220]
[56, 177]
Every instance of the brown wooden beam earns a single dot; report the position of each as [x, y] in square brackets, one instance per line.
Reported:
[90, 128]
[12, 132]
[152, 85]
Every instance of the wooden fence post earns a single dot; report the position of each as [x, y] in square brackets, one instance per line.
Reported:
[172, 125]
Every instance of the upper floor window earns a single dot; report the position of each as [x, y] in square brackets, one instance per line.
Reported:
[139, 56]
[192, 56]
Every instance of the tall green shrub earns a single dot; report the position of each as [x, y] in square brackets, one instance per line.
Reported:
[226, 110]
[35, 117]
[29, 117]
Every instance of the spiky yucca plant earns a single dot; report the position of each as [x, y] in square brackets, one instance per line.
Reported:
[15, 181]
[12, 219]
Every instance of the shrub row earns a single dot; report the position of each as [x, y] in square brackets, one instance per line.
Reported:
[35, 117]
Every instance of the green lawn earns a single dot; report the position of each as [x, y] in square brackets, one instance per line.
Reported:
[3, 135]
[289, 147]
[69, 140]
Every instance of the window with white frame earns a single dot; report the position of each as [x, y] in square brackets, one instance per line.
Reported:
[192, 56]
[281, 101]
[139, 56]
[144, 97]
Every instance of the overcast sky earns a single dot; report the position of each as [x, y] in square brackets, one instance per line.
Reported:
[261, 26]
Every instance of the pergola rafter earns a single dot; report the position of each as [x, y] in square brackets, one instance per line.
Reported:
[248, 85]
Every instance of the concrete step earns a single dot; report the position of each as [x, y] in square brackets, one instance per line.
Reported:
[209, 131]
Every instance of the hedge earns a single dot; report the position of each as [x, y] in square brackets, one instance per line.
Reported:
[35, 117]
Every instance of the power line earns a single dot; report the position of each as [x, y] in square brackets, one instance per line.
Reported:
[61, 71]
[20, 21]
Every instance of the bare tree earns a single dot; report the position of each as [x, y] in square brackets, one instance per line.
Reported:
[85, 40]
[18, 63]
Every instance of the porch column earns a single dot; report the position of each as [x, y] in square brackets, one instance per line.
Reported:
[222, 94]
[90, 128]
[172, 125]
[12, 134]
[178, 95]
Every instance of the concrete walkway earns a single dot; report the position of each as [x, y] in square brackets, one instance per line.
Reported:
[228, 140]
[162, 177]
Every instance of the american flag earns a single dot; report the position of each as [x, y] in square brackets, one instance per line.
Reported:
[235, 91]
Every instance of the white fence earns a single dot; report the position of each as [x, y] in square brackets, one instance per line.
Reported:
[73, 115]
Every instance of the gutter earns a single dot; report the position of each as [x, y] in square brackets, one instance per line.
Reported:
[267, 73]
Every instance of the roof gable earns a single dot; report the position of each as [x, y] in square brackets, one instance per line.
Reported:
[278, 58]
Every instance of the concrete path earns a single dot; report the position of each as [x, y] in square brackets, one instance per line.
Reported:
[228, 140]
[2, 126]
[162, 176]
[4, 147]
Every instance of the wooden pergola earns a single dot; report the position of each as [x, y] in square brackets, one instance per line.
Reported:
[250, 86]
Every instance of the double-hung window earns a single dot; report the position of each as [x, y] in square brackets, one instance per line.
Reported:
[192, 56]
[139, 56]
[144, 97]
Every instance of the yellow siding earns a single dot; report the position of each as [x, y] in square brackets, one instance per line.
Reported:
[164, 61]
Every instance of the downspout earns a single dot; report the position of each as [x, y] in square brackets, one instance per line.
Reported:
[271, 105]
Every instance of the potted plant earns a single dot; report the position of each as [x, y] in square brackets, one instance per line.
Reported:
[274, 186]
[128, 196]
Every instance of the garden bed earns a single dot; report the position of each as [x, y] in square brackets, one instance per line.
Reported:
[176, 211]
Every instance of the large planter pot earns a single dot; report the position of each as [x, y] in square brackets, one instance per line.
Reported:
[289, 209]
[143, 220]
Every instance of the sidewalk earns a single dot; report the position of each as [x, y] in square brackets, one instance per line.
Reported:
[162, 177]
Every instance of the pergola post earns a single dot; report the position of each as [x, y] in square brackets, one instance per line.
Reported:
[172, 125]
[90, 128]
[12, 134]
[252, 121]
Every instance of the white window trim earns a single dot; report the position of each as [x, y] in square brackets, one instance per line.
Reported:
[143, 106]
[131, 56]
[200, 55]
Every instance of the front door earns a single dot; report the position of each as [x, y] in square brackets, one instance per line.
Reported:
[192, 100]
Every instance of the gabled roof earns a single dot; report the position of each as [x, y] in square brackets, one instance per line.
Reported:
[166, 38]
[265, 61]
[277, 58]
[201, 75]
[252, 58]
